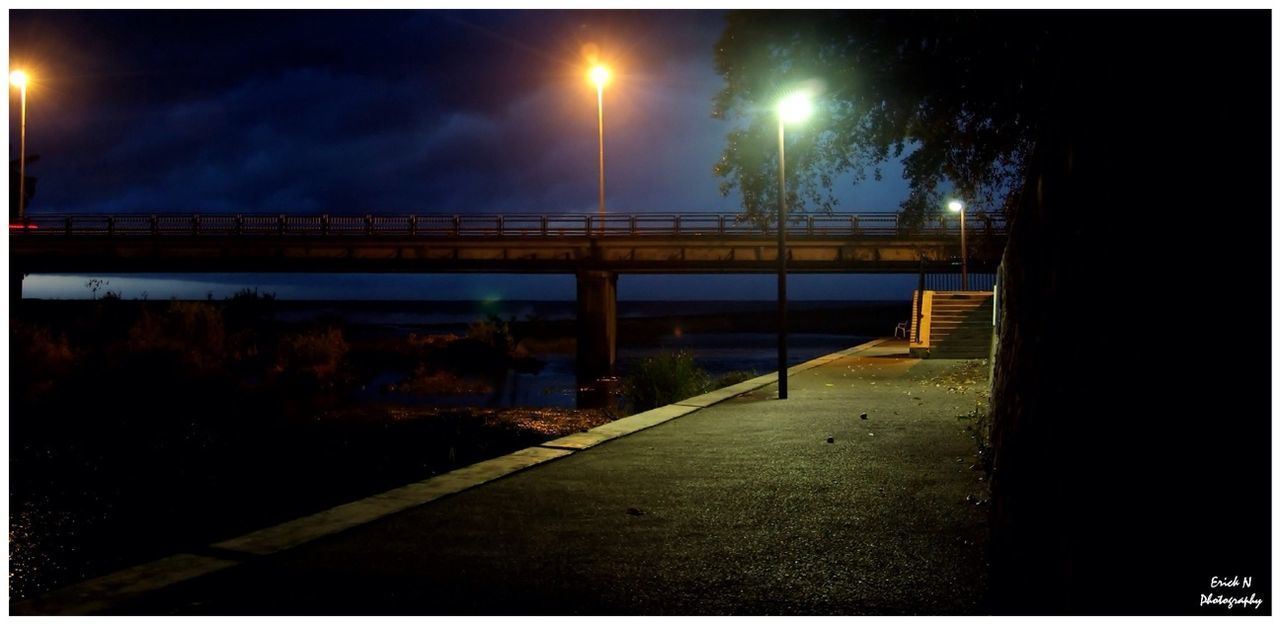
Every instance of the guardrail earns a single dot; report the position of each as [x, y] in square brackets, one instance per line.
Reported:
[517, 225]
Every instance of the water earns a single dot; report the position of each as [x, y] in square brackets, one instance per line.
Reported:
[554, 385]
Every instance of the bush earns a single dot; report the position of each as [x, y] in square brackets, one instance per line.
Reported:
[664, 379]
[249, 309]
[731, 378]
[193, 331]
[315, 354]
[39, 359]
[494, 332]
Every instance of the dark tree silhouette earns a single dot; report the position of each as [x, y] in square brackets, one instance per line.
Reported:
[958, 93]
[1131, 463]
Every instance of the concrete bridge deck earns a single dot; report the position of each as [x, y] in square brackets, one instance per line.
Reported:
[742, 507]
[641, 243]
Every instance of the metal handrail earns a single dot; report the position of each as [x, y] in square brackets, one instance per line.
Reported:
[424, 225]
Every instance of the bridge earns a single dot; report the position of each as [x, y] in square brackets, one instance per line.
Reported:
[594, 249]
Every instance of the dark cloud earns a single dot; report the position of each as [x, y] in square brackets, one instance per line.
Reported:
[383, 111]
[373, 111]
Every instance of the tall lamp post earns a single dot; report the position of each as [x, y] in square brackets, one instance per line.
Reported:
[600, 76]
[793, 108]
[957, 206]
[18, 78]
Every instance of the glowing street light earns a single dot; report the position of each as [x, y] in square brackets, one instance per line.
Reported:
[18, 78]
[600, 75]
[792, 108]
[956, 206]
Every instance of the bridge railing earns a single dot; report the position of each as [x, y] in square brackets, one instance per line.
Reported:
[481, 225]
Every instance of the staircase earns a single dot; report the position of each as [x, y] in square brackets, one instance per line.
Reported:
[959, 324]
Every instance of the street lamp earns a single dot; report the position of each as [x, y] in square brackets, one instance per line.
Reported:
[957, 206]
[18, 78]
[793, 108]
[600, 76]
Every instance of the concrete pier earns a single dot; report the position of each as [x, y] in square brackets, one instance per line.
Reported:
[597, 334]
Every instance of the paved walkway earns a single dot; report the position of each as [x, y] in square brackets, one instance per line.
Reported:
[740, 508]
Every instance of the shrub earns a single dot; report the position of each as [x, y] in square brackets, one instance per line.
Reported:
[494, 332]
[316, 354]
[664, 379]
[39, 358]
[194, 331]
[731, 378]
[248, 308]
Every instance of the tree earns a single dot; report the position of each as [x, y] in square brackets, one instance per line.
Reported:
[1129, 148]
[955, 94]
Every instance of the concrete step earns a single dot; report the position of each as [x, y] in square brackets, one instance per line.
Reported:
[934, 337]
[964, 305]
[961, 311]
[946, 329]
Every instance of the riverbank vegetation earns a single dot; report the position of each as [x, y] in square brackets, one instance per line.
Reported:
[142, 427]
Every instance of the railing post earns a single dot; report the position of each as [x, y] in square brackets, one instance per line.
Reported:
[413, 225]
[720, 224]
[111, 226]
[324, 224]
[544, 225]
[810, 224]
[195, 225]
[501, 225]
[368, 225]
[677, 225]
[280, 225]
[68, 226]
[590, 229]
[239, 224]
[457, 225]
[155, 226]
[632, 225]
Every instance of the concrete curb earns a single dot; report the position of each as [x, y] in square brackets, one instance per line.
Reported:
[101, 593]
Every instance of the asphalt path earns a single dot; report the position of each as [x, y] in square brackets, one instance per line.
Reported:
[750, 506]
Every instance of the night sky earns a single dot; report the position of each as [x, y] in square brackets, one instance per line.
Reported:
[386, 112]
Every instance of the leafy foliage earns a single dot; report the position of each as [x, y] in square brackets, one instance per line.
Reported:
[192, 332]
[316, 354]
[956, 95]
[493, 331]
[663, 379]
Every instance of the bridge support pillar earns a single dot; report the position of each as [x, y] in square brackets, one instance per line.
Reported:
[597, 337]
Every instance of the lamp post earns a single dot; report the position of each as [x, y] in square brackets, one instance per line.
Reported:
[793, 108]
[18, 78]
[958, 207]
[600, 76]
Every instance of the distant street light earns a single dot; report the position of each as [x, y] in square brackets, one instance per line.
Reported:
[18, 78]
[600, 76]
[793, 108]
[958, 207]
